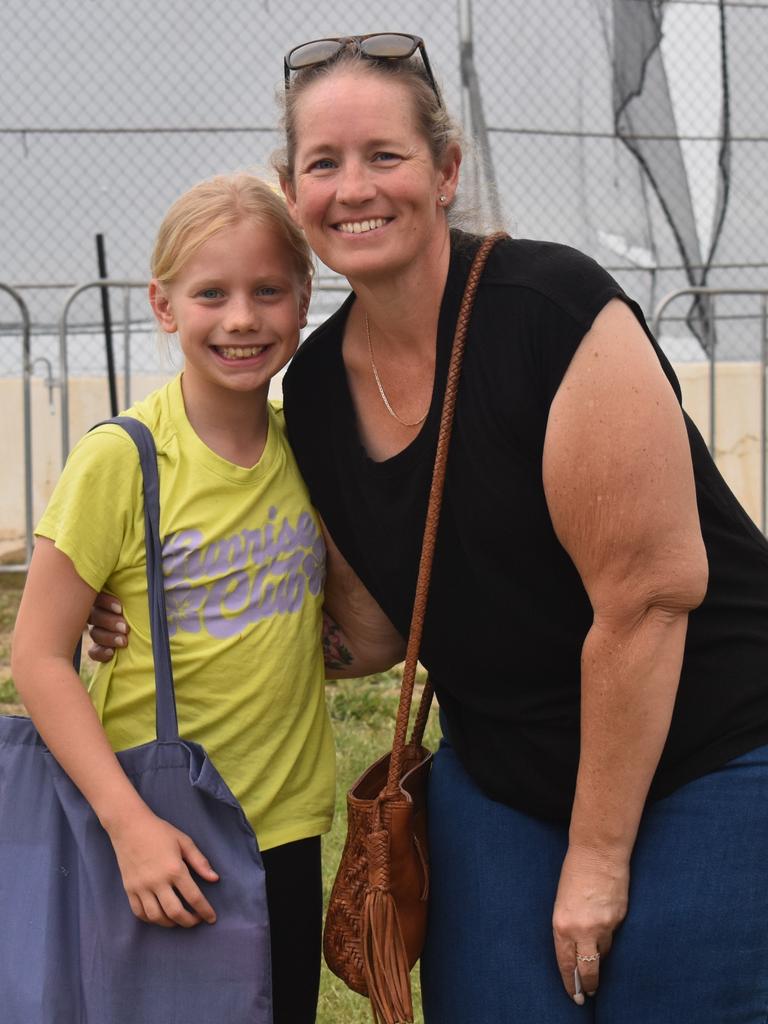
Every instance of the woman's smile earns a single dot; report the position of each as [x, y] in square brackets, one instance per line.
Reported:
[363, 168]
[360, 227]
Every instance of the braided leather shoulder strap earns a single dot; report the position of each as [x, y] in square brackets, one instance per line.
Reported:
[430, 528]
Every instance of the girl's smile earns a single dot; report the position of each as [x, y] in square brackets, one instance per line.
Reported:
[239, 353]
[238, 306]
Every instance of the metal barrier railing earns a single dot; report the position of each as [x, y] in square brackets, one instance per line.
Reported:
[713, 294]
[63, 379]
[58, 379]
[26, 373]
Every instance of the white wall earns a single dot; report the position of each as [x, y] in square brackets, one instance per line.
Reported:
[737, 415]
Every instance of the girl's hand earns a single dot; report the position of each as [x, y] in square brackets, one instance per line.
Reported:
[591, 903]
[154, 860]
[106, 627]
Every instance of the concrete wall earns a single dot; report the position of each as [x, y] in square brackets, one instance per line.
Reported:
[737, 414]
[738, 426]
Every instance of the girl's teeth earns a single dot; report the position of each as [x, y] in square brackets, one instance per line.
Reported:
[241, 353]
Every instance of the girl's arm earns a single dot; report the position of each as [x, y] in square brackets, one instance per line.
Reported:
[152, 855]
[620, 490]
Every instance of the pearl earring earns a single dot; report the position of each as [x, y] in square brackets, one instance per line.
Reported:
[443, 198]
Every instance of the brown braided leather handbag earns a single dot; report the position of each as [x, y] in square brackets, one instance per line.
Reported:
[377, 914]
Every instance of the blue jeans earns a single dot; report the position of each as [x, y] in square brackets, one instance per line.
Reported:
[692, 950]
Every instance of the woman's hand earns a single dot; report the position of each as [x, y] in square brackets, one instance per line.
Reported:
[106, 627]
[155, 860]
[591, 903]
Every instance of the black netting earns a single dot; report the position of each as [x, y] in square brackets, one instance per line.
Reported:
[645, 121]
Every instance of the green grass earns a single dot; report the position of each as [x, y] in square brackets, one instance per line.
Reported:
[10, 591]
[11, 585]
[8, 694]
[363, 715]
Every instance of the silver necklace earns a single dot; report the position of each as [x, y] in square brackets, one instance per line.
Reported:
[385, 400]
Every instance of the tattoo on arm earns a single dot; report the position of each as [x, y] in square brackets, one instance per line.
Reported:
[335, 652]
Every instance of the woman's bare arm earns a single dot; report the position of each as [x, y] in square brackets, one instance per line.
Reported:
[619, 486]
[358, 637]
[151, 853]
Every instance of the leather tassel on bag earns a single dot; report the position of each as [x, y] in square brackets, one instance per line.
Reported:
[386, 967]
[377, 913]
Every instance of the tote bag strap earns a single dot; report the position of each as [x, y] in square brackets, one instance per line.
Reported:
[165, 700]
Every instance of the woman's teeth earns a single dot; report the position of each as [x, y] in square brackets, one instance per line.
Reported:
[357, 227]
[240, 352]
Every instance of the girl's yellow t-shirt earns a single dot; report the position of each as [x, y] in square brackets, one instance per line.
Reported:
[244, 564]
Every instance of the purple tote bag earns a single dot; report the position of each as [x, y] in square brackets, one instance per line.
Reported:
[71, 950]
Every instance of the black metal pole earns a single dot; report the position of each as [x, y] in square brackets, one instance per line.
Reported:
[107, 318]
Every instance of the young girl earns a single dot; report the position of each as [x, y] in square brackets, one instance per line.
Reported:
[244, 563]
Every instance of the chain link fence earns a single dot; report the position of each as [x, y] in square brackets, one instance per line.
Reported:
[110, 111]
[632, 129]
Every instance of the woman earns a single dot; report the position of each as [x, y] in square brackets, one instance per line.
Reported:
[598, 623]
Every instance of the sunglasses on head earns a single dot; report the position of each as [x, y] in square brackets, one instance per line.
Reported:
[375, 46]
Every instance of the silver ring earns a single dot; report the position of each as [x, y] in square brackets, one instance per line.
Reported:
[591, 959]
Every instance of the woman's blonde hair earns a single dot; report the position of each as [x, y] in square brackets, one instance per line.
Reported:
[435, 124]
[221, 202]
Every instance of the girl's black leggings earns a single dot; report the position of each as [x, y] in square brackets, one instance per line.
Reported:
[295, 898]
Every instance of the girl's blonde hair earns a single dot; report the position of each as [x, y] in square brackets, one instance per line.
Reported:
[221, 202]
